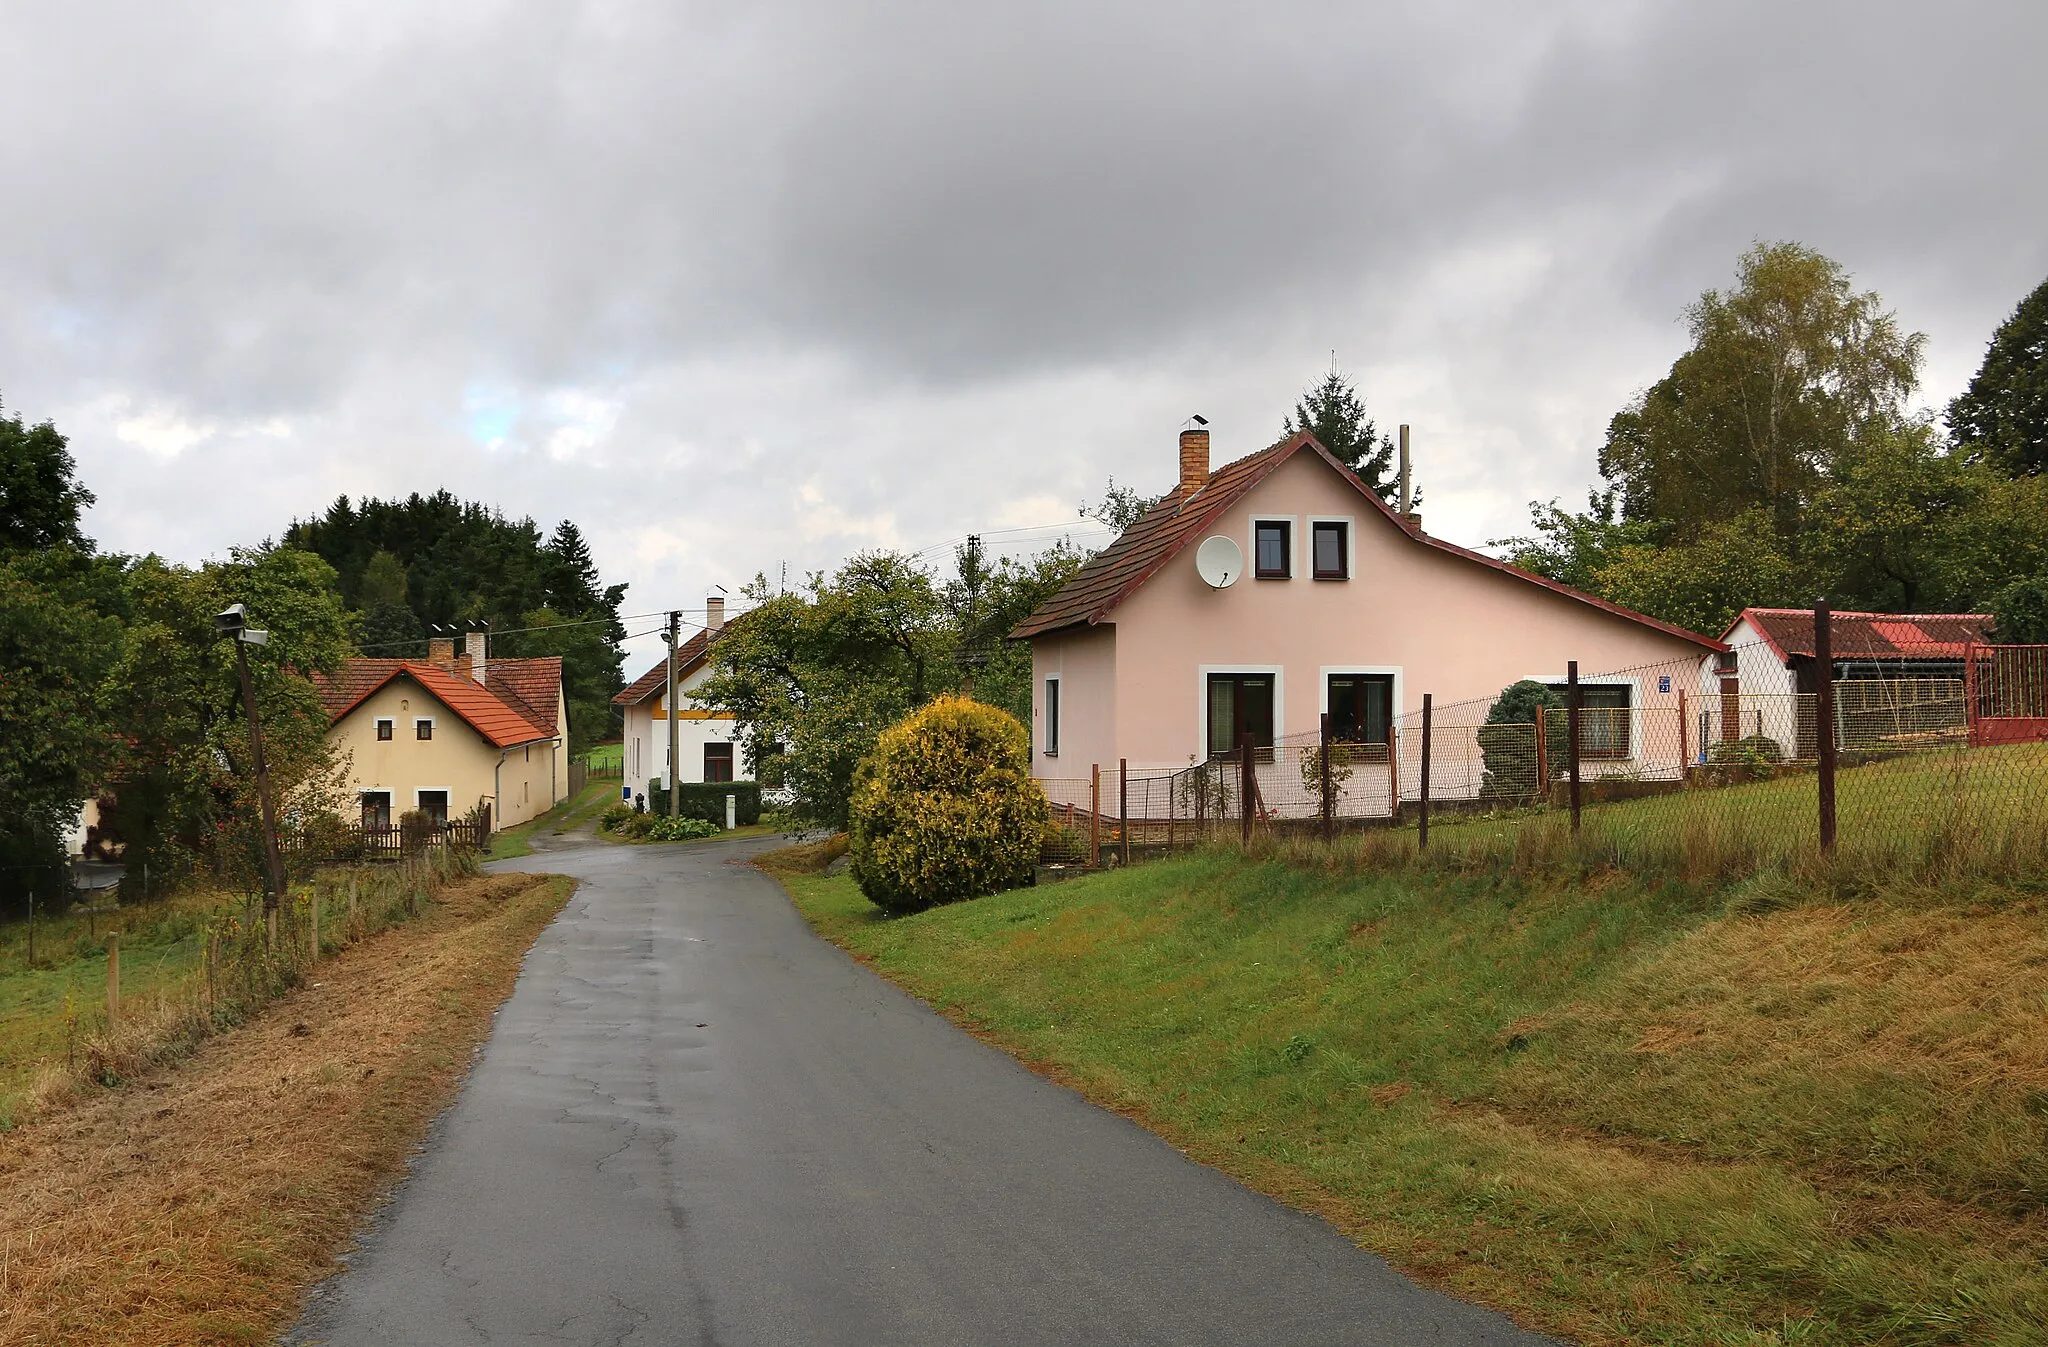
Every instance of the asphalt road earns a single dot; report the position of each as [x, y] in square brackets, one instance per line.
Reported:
[696, 1123]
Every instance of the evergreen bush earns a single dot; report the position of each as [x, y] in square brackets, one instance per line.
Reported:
[706, 800]
[1510, 754]
[945, 808]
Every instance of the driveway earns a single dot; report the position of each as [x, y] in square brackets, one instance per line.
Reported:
[694, 1122]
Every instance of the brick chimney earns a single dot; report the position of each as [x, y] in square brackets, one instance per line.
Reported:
[714, 614]
[441, 651]
[1194, 461]
[475, 647]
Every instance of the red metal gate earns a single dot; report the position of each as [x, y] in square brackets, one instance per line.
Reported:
[2006, 691]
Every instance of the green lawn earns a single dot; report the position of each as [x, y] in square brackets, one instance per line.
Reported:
[41, 1011]
[610, 757]
[1626, 1111]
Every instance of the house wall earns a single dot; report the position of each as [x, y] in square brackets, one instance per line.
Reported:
[1084, 661]
[646, 736]
[1438, 623]
[457, 759]
[1766, 704]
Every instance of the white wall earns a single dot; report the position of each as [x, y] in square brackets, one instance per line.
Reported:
[646, 738]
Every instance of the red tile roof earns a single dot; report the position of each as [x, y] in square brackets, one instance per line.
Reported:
[532, 687]
[689, 655]
[500, 723]
[1113, 574]
[1789, 632]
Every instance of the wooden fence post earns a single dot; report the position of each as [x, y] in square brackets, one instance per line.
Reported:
[1542, 757]
[1422, 807]
[113, 977]
[1394, 765]
[1246, 783]
[1095, 814]
[354, 917]
[1329, 798]
[1824, 666]
[1123, 805]
[313, 926]
[1572, 704]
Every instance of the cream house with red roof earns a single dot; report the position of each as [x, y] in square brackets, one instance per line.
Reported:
[707, 739]
[1343, 606]
[449, 732]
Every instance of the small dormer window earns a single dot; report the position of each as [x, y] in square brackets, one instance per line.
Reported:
[1272, 547]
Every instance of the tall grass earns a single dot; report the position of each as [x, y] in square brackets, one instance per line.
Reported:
[240, 970]
[1952, 820]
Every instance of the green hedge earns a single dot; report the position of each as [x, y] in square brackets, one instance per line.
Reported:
[706, 800]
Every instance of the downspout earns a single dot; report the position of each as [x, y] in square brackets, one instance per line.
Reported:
[498, 789]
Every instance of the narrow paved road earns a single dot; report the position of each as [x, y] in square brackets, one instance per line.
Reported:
[696, 1123]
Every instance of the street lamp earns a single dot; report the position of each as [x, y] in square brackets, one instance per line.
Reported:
[232, 624]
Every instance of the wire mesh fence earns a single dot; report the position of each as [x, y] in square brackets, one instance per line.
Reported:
[1934, 755]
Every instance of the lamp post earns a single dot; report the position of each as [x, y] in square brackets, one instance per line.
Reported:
[233, 624]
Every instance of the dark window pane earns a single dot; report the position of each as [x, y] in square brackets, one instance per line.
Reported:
[718, 762]
[423, 729]
[1271, 538]
[383, 729]
[1052, 717]
[1605, 719]
[1329, 550]
[1361, 707]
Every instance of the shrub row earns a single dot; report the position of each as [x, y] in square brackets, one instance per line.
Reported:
[706, 800]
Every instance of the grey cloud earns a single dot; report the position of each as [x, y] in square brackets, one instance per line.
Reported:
[931, 260]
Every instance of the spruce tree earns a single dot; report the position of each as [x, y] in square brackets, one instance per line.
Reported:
[1334, 413]
[2002, 417]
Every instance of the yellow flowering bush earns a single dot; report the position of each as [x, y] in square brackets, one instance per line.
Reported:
[945, 808]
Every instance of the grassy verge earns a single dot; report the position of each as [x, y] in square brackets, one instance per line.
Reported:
[1624, 1111]
[195, 1203]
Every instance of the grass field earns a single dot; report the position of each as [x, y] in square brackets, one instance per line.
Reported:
[1625, 1110]
[606, 757]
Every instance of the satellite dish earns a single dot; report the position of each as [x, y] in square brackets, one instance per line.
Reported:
[1219, 561]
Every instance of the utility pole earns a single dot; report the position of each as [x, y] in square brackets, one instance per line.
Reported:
[970, 576]
[234, 624]
[675, 714]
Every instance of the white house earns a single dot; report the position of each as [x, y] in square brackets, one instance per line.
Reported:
[707, 739]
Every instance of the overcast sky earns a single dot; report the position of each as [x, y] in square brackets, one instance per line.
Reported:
[739, 285]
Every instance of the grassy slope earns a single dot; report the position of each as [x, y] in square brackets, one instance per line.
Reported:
[1616, 1112]
[196, 1202]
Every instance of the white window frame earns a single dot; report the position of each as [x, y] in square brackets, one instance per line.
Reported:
[1293, 523]
[381, 722]
[433, 730]
[1279, 673]
[1635, 711]
[1350, 524]
[429, 790]
[1052, 704]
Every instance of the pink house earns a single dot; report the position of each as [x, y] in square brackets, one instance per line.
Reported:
[1344, 607]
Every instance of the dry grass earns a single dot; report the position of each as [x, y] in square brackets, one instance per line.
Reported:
[194, 1203]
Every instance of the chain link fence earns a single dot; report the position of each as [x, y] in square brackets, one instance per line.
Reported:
[1932, 754]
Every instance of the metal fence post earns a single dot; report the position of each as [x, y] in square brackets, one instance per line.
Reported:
[1246, 783]
[1422, 806]
[1824, 666]
[1572, 704]
[1095, 814]
[1684, 748]
[1123, 805]
[1329, 800]
[1542, 757]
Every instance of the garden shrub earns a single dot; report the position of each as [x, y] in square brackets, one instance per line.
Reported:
[706, 800]
[945, 808]
[1510, 754]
